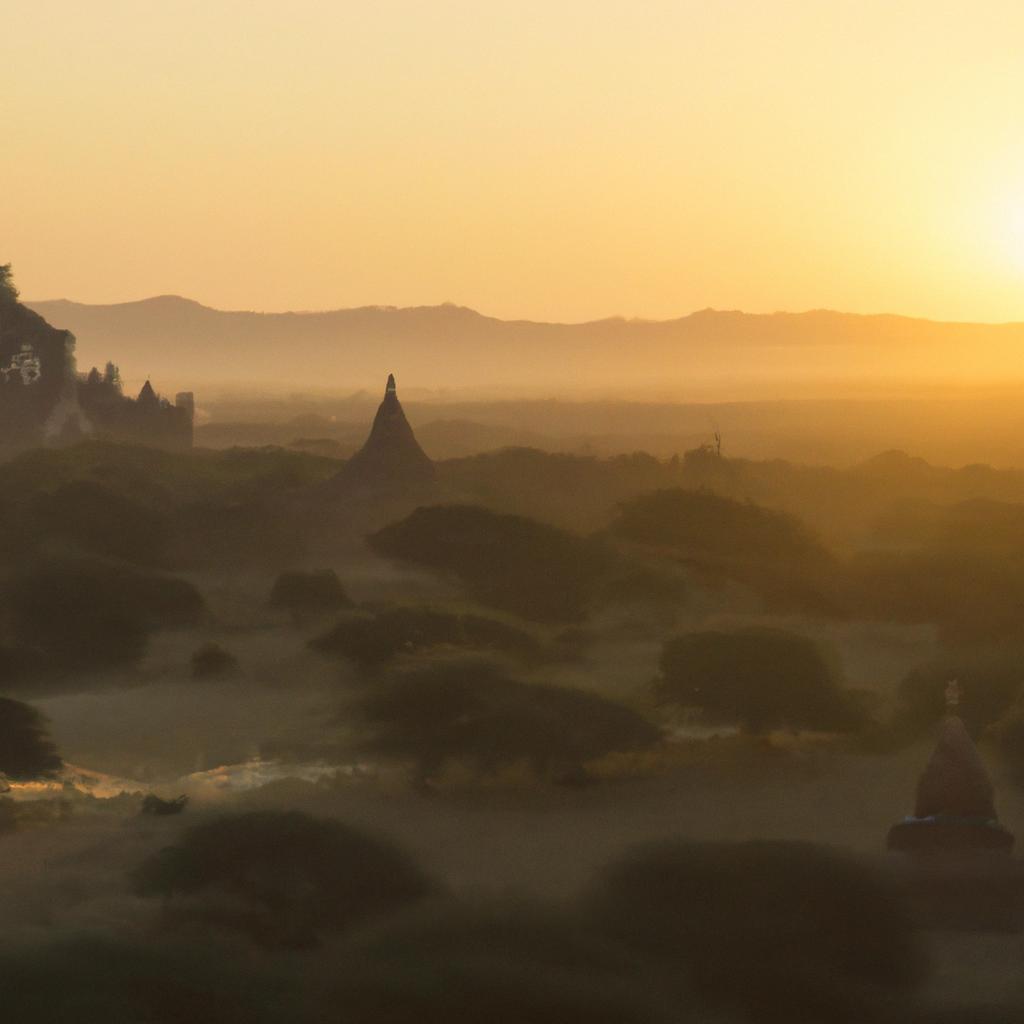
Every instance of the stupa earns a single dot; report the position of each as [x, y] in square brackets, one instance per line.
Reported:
[391, 459]
[955, 810]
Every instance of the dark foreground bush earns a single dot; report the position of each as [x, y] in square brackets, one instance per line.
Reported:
[26, 750]
[308, 592]
[281, 876]
[762, 678]
[86, 614]
[519, 565]
[373, 640]
[98, 980]
[471, 712]
[785, 931]
[505, 965]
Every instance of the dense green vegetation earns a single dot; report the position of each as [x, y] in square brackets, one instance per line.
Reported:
[781, 931]
[90, 614]
[509, 562]
[472, 712]
[373, 639]
[762, 678]
[281, 877]
[26, 750]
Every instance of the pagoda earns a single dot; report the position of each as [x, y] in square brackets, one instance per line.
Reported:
[954, 811]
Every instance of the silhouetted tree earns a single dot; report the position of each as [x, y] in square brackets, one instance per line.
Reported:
[281, 876]
[99, 520]
[319, 591]
[473, 713]
[787, 931]
[506, 964]
[371, 640]
[762, 678]
[510, 562]
[211, 661]
[87, 614]
[94, 979]
[1007, 736]
[8, 293]
[26, 750]
[990, 684]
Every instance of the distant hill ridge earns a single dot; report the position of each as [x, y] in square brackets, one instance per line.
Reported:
[452, 346]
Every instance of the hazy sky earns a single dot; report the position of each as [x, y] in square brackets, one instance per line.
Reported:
[557, 159]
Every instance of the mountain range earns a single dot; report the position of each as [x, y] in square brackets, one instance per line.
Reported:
[182, 343]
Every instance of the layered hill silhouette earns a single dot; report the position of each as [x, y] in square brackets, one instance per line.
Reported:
[449, 346]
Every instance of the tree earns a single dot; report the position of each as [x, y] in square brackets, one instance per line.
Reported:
[373, 640]
[504, 964]
[990, 684]
[309, 592]
[1008, 737]
[281, 876]
[26, 750]
[762, 678]
[788, 931]
[510, 562]
[8, 293]
[471, 712]
[83, 613]
[773, 553]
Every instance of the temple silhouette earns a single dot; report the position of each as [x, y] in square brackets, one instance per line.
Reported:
[391, 459]
[954, 809]
[44, 400]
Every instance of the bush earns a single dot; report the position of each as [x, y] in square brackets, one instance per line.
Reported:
[503, 965]
[86, 614]
[471, 712]
[26, 751]
[762, 678]
[309, 591]
[989, 686]
[972, 598]
[98, 980]
[772, 552]
[102, 522]
[1008, 738]
[281, 876]
[519, 565]
[374, 640]
[211, 661]
[788, 931]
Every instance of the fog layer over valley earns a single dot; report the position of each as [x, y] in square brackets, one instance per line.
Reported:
[291, 730]
[513, 673]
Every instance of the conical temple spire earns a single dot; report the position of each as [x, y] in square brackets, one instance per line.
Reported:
[391, 458]
[954, 807]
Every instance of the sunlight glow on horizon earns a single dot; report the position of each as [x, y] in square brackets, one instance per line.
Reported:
[554, 161]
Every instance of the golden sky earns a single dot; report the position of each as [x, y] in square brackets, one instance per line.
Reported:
[549, 159]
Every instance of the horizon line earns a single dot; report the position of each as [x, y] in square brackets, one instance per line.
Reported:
[619, 317]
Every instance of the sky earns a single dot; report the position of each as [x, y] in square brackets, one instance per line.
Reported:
[558, 160]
